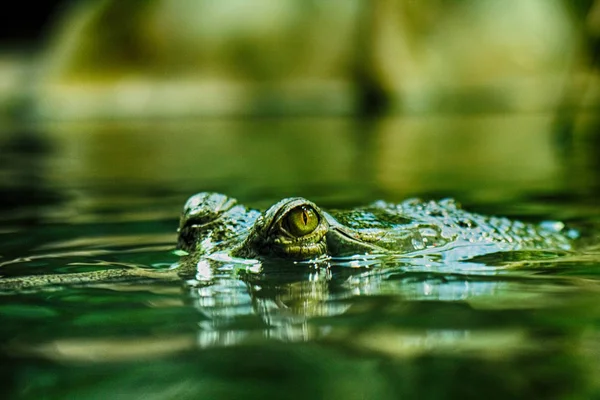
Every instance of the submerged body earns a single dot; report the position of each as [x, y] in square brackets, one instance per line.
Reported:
[215, 227]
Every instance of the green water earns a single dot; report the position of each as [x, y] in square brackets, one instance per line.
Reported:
[83, 197]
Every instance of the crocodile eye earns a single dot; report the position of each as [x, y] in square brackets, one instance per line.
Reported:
[301, 221]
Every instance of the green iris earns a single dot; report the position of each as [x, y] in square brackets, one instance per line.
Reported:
[301, 221]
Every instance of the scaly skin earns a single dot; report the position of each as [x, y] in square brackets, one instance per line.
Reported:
[443, 228]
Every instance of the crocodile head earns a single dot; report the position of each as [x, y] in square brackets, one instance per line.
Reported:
[293, 228]
[297, 229]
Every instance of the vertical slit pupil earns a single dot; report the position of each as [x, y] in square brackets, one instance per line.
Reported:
[305, 216]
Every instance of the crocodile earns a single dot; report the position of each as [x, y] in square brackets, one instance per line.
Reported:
[214, 227]
[297, 229]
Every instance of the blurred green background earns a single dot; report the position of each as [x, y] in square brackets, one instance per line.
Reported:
[348, 98]
[110, 59]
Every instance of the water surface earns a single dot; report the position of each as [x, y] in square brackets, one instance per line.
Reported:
[84, 197]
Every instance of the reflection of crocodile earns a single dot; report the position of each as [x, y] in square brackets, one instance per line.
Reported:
[214, 228]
